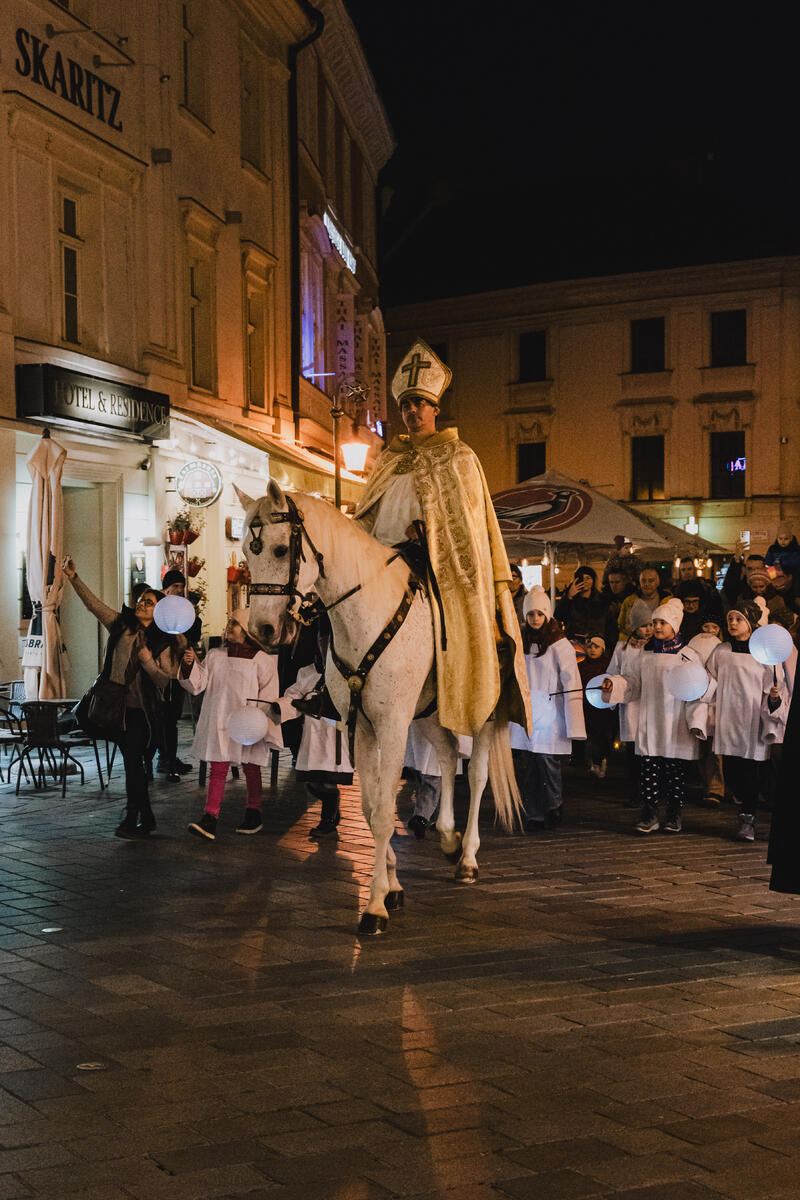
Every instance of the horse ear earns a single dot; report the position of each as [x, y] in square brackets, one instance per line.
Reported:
[245, 500]
[274, 493]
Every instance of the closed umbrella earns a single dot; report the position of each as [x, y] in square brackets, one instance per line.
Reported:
[44, 671]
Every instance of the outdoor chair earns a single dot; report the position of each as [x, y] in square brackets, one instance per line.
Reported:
[12, 735]
[42, 737]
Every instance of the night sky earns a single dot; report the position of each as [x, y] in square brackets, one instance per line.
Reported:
[551, 140]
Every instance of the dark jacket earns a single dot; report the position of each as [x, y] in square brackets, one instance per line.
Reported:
[787, 556]
[582, 616]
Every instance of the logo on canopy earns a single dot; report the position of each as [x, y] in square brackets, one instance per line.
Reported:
[541, 508]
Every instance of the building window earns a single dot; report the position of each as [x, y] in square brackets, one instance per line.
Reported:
[200, 324]
[255, 341]
[729, 338]
[70, 246]
[728, 465]
[532, 356]
[312, 319]
[193, 65]
[251, 110]
[531, 460]
[647, 468]
[647, 345]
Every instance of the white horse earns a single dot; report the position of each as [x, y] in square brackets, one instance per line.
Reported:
[297, 543]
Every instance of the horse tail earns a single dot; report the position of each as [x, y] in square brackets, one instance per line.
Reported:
[507, 800]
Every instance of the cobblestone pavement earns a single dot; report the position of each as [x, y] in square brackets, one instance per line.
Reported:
[604, 1014]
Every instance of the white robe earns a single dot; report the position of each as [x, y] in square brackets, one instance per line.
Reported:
[228, 684]
[736, 705]
[554, 671]
[317, 750]
[663, 730]
[420, 754]
[628, 713]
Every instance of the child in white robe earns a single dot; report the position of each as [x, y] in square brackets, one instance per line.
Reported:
[231, 676]
[639, 632]
[556, 692]
[664, 743]
[746, 709]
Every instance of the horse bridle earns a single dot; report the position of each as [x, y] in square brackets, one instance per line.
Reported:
[294, 518]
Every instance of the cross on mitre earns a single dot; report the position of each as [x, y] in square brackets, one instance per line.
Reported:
[421, 373]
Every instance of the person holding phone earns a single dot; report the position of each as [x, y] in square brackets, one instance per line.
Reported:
[581, 608]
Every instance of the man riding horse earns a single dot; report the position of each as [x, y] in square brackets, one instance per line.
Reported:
[428, 484]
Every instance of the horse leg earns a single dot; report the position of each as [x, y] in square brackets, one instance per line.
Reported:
[378, 775]
[467, 869]
[446, 746]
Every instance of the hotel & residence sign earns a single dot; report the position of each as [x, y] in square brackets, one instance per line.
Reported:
[44, 390]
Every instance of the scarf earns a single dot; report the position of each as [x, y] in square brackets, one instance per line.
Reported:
[665, 647]
[241, 650]
[541, 638]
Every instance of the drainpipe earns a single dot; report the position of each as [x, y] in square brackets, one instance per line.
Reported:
[318, 24]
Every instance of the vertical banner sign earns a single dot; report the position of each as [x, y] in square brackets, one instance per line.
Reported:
[360, 355]
[345, 310]
[377, 373]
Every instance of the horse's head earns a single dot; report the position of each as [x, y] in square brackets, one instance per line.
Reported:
[280, 570]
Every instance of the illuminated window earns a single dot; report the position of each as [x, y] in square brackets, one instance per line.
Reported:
[729, 338]
[531, 460]
[312, 319]
[647, 345]
[201, 343]
[647, 468]
[532, 356]
[70, 245]
[728, 465]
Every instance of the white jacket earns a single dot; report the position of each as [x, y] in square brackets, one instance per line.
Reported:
[735, 704]
[554, 671]
[318, 743]
[663, 730]
[228, 684]
[628, 713]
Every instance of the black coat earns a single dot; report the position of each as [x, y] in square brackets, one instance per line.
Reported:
[784, 837]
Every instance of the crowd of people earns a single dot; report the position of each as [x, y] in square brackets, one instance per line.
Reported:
[634, 627]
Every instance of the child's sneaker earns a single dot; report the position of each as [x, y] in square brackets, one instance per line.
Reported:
[672, 825]
[649, 823]
[206, 827]
[747, 828]
[602, 769]
[251, 822]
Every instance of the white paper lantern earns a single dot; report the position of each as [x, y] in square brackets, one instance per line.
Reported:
[543, 710]
[593, 693]
[247, 726]
[174, 614]
[771, 644]
[687, 681]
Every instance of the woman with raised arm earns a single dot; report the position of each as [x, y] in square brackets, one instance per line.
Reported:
[144, 659]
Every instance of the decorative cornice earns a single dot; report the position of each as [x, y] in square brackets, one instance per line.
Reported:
[350, 79]
[725, 397]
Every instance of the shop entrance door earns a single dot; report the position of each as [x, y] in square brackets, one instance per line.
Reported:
[83, 635]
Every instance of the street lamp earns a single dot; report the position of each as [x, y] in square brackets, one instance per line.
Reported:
[354, 453]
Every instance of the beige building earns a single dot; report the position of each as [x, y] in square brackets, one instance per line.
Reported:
[154, 199]
[678, 390]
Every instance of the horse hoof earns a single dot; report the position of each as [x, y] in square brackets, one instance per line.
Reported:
[395, 900]
[372, 923]
[466, 874]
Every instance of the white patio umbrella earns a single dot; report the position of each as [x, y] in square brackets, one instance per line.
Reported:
[44, 671]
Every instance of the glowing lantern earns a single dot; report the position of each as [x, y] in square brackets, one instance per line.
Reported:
[174, 614]
[355, 456]
[687, 681]
[771, 644]
[593, 693]
[247, 726]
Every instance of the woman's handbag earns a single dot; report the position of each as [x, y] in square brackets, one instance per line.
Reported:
[101, 712]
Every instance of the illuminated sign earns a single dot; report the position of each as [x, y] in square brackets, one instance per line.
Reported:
[737, 464]
[198, 483]
[45, 390]
[339, 243]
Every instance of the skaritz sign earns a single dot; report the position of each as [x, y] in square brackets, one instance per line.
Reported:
[37, 61]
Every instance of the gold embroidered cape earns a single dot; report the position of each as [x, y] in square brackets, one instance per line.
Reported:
[471, 567]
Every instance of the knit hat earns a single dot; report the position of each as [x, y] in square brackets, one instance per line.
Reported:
[173, 576]
[670, 611]
[537, 599]
[242, 617]
[639, 614]
[784, 529]
[597, 637]
[751, 611]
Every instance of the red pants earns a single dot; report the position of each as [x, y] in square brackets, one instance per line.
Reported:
[217, 775]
